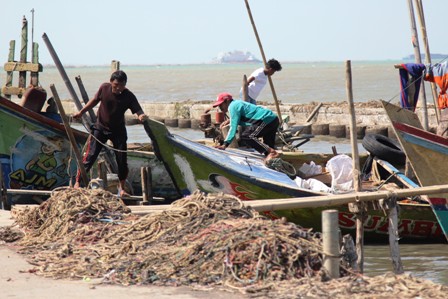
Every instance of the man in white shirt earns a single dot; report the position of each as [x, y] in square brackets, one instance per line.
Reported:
[258, 79]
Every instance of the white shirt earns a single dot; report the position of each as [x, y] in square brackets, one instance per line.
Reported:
[255, 87]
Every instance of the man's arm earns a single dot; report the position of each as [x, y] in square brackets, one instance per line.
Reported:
[90, 104]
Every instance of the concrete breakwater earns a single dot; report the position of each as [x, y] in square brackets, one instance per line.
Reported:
[331, 119]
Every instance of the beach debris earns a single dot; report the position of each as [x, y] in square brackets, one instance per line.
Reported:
[201, 240]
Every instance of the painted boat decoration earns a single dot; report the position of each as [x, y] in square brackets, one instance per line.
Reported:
[194, 166]
[35, 153]
[427, 153]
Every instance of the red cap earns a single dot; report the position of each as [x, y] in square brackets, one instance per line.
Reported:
[221, 98]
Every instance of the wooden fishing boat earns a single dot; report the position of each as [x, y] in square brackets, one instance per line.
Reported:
[427, 154]
[194, 166]
[35, 154]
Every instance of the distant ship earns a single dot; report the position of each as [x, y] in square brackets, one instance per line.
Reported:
[235, 57]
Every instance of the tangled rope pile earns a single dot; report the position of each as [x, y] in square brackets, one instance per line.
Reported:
[205, 240]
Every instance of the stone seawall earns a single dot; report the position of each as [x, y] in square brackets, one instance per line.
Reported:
[329, 120]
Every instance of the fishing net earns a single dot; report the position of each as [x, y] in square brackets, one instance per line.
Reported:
[200, 240]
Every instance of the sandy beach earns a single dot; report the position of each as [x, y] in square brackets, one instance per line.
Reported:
[17, 282]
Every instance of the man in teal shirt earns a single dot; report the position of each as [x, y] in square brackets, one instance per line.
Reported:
[259, 122]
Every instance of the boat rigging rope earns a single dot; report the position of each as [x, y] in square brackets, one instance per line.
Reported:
[282, 166]
[105, 144]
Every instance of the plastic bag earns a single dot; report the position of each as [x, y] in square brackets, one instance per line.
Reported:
[341, 170]
[310, 169]
[312, 184]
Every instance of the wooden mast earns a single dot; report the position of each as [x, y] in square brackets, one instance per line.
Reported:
[421, 17]
[418, 59]
[277, 106]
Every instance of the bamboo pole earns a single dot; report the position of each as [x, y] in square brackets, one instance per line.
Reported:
[421, 17]
[266, 205]
[357, 208]
[70, 135]
[86, 121]
[418, 59]
[85, 97]
[244, 89]
[277, 106]
[314, 112]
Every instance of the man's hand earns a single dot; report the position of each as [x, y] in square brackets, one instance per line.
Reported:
[77, 115]
[142, 117]
[221, 147]
[224, 123]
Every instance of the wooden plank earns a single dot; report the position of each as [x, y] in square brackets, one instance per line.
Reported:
[29, 192]
[23, 67]
[398, 174]
[11, 90]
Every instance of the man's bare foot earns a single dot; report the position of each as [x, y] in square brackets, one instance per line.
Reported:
[76, 186]
[272, 155]
[123, 193]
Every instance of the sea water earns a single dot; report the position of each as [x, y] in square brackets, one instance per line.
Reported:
[300, 82]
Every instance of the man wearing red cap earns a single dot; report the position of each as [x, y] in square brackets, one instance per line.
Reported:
[259, 122]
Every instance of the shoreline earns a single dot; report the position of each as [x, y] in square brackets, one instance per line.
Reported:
[329, 119]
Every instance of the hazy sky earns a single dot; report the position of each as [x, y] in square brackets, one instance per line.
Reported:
[86, 32]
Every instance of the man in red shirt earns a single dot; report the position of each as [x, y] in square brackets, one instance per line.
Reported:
[114, 99]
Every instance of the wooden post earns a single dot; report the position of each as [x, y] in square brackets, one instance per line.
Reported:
[23, 53]
[34, 80]
[330, 240]
[70, 135]
[392, 213]
[245, 91]
[3, 192]
[357, 208]
[277, 106]
[418, 59]
[115, 66]
[102, 172]
[421, 17]
[10, 74]
[146, 185]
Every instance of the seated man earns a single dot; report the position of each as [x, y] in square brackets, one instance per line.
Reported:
[259, 122]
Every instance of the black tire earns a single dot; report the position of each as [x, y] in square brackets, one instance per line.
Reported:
[384, 148]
